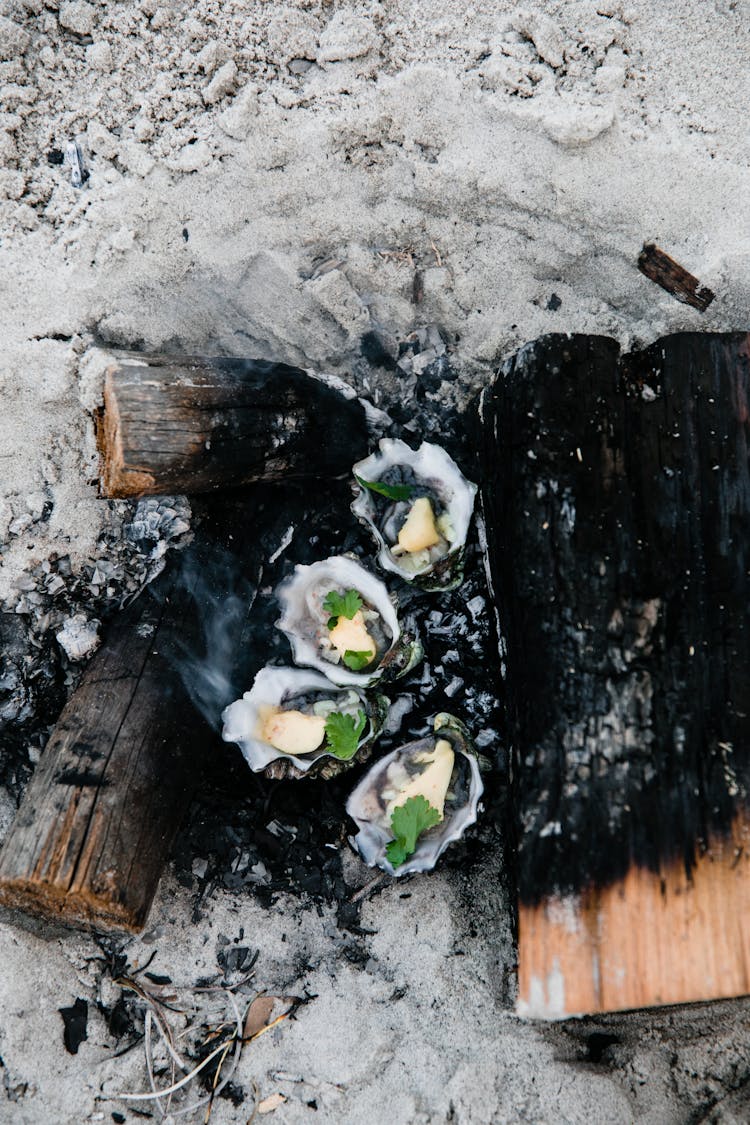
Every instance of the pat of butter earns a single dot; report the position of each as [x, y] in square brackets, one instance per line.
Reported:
[292, 732]
[350, 635]
[434, 781]
[419, 531]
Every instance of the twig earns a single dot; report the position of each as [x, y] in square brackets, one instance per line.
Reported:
[175, 1085]
[368, 888]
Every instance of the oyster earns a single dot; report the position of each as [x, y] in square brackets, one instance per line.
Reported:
[443, 769]
[418, 505]
[282, 724]
[341, 620]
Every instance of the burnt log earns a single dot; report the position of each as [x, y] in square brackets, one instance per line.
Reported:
[618, 511]
[97, 820]
[183, 424]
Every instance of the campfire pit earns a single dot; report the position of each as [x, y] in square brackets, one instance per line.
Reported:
[604, 479]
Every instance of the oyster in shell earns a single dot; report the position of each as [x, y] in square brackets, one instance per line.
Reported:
[340, 619]
[443, 769]
[281, 724]
[418, 505]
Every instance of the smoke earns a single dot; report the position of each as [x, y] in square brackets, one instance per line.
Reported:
[208, 650]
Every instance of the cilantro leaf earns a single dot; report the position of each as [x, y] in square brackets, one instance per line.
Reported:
[356, 661]
[408, 822]
[390, 491]
[341, 606]
[343, 733]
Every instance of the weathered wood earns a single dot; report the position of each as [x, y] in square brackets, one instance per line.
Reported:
[657, 266]
[619, 524]
[98, 818]
[187, 424]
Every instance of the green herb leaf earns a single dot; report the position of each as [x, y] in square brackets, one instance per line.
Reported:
[356, 661]
[341, 606]
[390, 491]
[408, 822]
[343, 733]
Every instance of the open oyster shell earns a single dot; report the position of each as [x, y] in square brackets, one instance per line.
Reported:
[299, 689]
[431, 473]
[369, 803]
[304, 621]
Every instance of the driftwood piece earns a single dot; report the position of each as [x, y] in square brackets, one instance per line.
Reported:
[187, 425]
[98, 818]
[619, 521]
[670, 275]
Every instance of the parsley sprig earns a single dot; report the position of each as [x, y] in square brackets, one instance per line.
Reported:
[356, 661]
[408, 822]
[390, 491]
[343, 733]
[337, 605]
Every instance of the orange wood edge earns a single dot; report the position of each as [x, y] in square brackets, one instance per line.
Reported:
[649, 939]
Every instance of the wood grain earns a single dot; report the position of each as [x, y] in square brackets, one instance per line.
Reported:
[617, 496]
[186, 424]
[650, 939]
[98, 818]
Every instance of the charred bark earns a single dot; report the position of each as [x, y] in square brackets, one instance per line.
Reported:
[618, 510]
[186, 424]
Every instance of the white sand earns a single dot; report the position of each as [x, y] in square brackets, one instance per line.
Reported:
[507, 154]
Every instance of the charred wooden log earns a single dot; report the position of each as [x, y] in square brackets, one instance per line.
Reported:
[185, 424]
[618, 512]
[97, 820]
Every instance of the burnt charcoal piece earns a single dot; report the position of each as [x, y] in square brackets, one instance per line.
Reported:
[674, 278]
[619, 521]
[185, 424]
[75, 1020]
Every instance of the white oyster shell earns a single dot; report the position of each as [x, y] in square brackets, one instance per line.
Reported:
[304, 620]
[367, 807]
[272, 686]
[438, 472]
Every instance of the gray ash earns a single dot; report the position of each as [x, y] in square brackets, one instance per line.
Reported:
[53, 624]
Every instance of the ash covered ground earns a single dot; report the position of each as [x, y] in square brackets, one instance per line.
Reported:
[314, 183]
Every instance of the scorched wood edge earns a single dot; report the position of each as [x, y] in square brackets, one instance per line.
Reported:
[618, 505]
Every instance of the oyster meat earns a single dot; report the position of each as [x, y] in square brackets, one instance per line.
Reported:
[341, 620]
[284, 724]
[443, 769]
[418, 505]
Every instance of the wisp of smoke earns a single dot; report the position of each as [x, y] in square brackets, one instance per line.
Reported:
[206, 654]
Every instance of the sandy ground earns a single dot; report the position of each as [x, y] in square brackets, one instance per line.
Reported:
[267, 179]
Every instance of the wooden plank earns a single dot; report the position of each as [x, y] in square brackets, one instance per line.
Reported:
[618, 508]
[652, 938]
[188, 424]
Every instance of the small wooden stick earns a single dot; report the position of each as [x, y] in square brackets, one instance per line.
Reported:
[666, 272]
